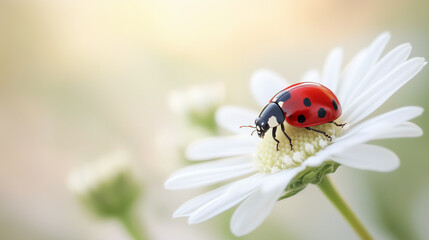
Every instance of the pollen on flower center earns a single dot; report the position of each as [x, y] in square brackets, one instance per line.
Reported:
[305, 142]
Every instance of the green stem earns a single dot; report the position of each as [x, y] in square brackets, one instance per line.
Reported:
[332, 194]
[133, 227]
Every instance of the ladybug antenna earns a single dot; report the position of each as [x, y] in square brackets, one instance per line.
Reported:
[248, 126]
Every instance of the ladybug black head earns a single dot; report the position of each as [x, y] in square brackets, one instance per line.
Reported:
[262, 126]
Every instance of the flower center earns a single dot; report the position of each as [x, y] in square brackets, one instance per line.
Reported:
[305, 142]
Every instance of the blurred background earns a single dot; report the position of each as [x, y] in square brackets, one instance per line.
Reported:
[79, 79]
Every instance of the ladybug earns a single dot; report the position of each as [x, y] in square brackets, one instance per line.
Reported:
[304, 104]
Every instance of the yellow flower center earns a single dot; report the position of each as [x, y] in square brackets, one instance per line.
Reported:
[305, 142]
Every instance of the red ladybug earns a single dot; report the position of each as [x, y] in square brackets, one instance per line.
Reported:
[303, 104]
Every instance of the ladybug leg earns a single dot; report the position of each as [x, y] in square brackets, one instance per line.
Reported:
[274, 137]
[290, 140]
[339, 124]
[318, 131]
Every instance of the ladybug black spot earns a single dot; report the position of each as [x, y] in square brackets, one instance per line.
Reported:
[321, 113]
[334, 104]
[307, 102]
[301, 119]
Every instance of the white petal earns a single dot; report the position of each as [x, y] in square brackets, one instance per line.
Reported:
[374, 128]
[377, 94]
[255, 209]
[236, 193]
[218, 147]
[190, 206]
[371, 128]
[392, 59]
[264, 84]
[386, 120]
[327, 152]
[368, 157]
[331, 70]
[403, 130]
[312, 75]
[346, 84]
[232, 117]
[204, 174]
[320, 157]
[365, 60]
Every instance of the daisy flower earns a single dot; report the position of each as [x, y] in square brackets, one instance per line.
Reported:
[108, 188]
[106, 185]
[264, 175]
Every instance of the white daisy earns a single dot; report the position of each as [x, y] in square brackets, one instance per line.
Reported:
[107, 185]
[266, 174]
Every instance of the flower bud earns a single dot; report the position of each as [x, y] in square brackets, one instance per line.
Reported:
[106, 186]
